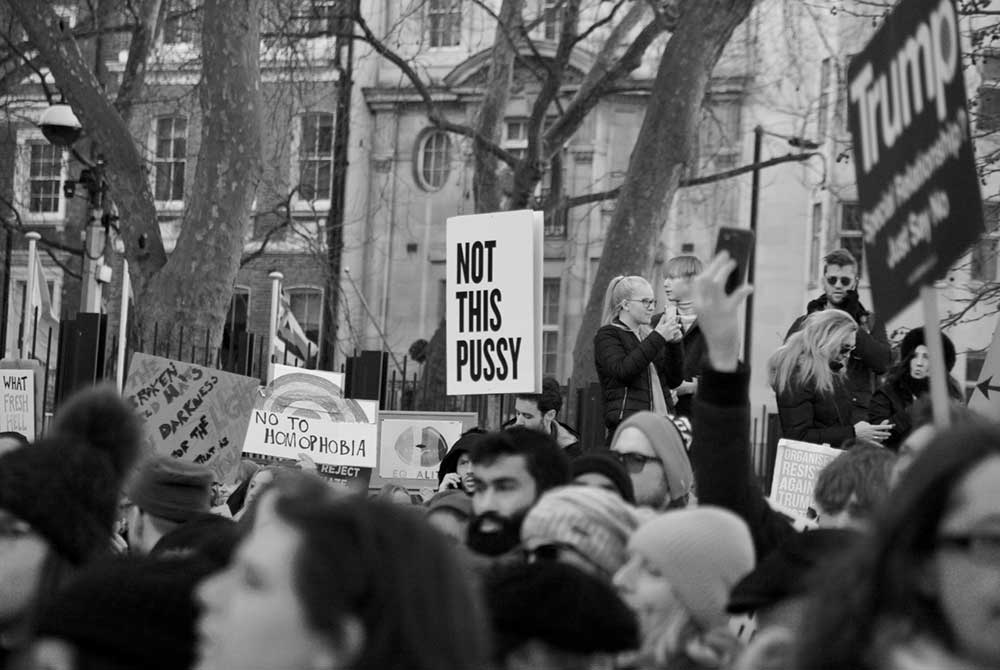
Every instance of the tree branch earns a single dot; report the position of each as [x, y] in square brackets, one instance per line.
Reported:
[134, 77]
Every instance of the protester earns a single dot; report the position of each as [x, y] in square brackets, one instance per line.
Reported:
[450, 512]
[923, 432]
[348, 583]
[872, 354]
[455, 471]
[11, 439]
[581, 525]
[682, 565]
[259, 481]
[166, 493]
[512, 469]
[906, 382]
[807, 375]
[851, 487]
[549, 615]
[393, 493]
[922, 591]
[58, 501]
[603, 470]
[244, 474]
[636, 365]
[679, 273]
[208, 537]
[651, 449]
[129, 613]
[539, 411]
[286, 483]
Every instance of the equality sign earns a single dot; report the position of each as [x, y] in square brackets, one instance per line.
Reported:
[191, 412]
[917, 186]
[17, 402]
[343, 451]
[796, 467]
[413, 448]
[494, 317]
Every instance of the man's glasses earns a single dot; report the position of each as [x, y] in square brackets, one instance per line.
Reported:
[981, 548]
[648, 303]
[633, 462]
[844, 281]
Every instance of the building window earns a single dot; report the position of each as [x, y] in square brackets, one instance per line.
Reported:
[316, 17]
[180, 24]
[44, 177]
[171, 158]
[551, 18]
[515, 138]
[719, 135]
[823, 107]
[983, 261]
[307, 307]
[850, 235]
[815, 241]
[550, 326]
[444, 19]
[316, 156]
[433, 159]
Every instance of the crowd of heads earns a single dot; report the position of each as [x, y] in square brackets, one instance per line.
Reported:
[528, 555]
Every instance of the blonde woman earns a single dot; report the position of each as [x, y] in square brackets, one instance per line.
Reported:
[807, 374]
[637, 365]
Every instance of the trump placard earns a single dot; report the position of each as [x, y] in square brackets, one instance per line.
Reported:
[493, 287]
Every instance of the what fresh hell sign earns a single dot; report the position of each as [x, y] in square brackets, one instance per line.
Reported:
[494, 281]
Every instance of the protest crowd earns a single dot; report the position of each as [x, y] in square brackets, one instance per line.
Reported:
[659, 552]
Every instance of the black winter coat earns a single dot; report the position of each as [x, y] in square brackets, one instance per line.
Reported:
[622, 363]
[811, 416]
[872, 353]
[893, 401]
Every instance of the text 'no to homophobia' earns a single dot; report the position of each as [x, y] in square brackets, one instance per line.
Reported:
[479, 313]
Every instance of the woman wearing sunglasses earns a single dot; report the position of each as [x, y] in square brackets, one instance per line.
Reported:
[637, 365]
[924, 590]
[807, 374]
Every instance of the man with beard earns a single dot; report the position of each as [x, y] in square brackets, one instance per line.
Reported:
[511, 470]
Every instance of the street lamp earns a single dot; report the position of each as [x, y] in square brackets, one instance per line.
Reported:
[758, 137]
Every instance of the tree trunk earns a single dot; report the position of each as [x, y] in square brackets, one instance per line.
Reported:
[661, 154]
[194, 288]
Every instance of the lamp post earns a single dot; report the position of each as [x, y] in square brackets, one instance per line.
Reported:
[758, 137]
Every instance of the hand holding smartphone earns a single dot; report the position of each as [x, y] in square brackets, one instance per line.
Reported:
[738, 243]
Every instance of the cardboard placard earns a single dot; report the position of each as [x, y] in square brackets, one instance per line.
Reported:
[918, 189]
[494, 310]
[796, 467]
[321, 377]
[396, 457]
[17, 402]
[191, 412]
[34, 368]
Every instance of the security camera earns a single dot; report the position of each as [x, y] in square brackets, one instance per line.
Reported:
[60, 125]
[69, 189]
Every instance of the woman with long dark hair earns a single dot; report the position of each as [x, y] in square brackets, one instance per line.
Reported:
[924, 590]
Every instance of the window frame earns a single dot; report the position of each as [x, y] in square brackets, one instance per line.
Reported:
[172, 161]
[307, 289]
[551, 328]
[858, 234]
[299, 201]
[419, 156]
[991, 216]
[22, 180]
[437, 11]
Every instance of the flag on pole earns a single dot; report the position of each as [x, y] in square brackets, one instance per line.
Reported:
[37, 325]
[291, 338]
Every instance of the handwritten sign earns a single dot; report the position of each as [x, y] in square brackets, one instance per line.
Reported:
[796, 467]
[17, 402]
[494, 278]
[414, 448]
[191, 412]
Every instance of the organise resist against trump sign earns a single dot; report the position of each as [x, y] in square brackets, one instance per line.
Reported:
[493, 285]
[917, 183]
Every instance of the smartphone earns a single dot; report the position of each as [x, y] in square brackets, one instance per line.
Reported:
[738, 242]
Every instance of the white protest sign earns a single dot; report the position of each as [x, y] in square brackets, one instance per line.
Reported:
[494, 275]
[334, 378]
[414, 448]
[17, 400]
[326, 442]
[796, 467]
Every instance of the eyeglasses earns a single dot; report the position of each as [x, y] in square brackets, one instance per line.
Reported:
[648, 303]
[633, 462]
[981, 548]
[844, 281]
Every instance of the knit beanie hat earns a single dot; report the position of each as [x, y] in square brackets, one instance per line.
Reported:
[596, 522]
[603, 463]
[559, 605]
[668, 444]
[915, 337]
[172, 489]
[66, 485]
[129, 613]
[703, 552]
